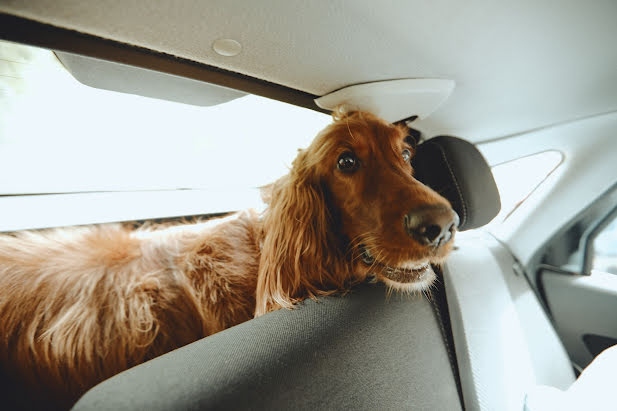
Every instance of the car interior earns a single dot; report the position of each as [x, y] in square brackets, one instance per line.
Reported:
[513, 107]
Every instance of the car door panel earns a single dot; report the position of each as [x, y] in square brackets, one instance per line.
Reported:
[583, 310]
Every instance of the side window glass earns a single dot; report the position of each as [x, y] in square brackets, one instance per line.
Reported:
[604, 257]
[517, 179]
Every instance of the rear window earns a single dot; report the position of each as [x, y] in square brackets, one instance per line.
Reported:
[58, 136]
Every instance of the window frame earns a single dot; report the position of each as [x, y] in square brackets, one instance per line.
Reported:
[590, 218]
[588, 237]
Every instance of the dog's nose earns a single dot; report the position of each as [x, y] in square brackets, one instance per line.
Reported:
[431, 225]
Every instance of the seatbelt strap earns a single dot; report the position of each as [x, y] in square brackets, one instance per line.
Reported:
[438, 301]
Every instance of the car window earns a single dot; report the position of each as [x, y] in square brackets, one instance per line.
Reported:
[604, 250]
[73, 154]
[60, 136]
[518, 178]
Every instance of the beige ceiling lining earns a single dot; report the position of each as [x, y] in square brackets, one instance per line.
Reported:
[517, 66]
[57, 38]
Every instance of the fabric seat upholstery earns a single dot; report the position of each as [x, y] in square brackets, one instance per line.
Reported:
[359, 351]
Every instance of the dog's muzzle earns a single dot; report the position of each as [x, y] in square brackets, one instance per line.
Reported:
[432, 226]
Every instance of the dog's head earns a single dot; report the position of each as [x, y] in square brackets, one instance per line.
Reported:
[350, 207]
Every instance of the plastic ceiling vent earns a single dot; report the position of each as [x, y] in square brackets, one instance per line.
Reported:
[393, 100]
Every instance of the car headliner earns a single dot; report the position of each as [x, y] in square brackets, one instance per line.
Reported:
[518, 66]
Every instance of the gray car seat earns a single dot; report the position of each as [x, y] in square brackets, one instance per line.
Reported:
[358, 351]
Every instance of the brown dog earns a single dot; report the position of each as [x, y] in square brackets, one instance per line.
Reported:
[78, 305]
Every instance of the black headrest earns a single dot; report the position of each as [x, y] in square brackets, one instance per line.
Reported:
[457, 170]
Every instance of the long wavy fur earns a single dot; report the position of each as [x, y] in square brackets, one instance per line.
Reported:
[302, 254]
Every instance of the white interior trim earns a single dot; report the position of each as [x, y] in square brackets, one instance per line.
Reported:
[505, 344]
[588, 169]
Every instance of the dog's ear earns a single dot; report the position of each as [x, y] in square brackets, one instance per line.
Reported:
[301, 255]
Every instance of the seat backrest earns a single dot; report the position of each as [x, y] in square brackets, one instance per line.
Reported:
[359, 351]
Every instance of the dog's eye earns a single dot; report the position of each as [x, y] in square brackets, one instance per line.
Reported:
[406, 155]
[347, 162]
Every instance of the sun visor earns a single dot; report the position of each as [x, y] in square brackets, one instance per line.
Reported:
[143, 82]
[457, 170]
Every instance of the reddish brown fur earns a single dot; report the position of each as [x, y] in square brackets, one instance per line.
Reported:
[78, 305]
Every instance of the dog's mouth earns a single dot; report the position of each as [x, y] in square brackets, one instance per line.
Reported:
[406, 273]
